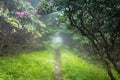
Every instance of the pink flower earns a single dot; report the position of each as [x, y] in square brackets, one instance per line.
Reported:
[20, 13]
[36, 11]
[41, 23]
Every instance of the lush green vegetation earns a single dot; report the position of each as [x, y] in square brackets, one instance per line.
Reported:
[40, 65]
[37, 65]
[89, 28]
[98, 21]
[76, 68]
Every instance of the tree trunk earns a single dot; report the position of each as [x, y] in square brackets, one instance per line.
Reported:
[109, 71]
[116, 67]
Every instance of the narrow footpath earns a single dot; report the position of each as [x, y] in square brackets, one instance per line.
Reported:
[57, 65]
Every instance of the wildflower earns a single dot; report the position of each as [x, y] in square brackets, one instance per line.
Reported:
[41, 23]
[36, 11]
[20, 13]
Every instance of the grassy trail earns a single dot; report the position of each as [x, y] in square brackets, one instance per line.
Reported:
[41, 66]
[57, 65]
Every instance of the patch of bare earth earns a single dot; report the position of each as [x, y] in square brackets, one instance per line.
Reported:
[57, 65]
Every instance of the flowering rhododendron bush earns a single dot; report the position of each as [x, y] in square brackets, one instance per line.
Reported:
[20, 25]
[40, 19]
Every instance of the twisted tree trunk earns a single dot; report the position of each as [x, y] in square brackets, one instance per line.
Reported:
[108, 68]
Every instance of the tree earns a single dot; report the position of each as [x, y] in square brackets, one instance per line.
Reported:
[99, 21]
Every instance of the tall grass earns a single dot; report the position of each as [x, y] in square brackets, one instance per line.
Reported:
[32, 66]
[75, 68]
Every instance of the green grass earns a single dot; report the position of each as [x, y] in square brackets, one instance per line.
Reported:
[40, 65]
[74, 68]
[32, 66]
